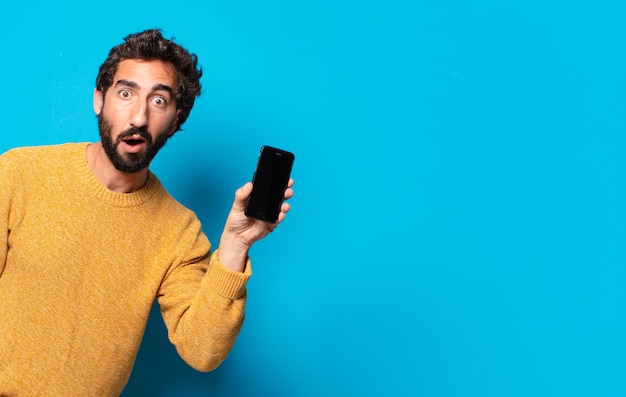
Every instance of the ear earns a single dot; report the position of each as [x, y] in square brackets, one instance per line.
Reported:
[98, 101]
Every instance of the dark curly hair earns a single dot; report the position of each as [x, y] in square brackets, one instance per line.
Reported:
[151, 45]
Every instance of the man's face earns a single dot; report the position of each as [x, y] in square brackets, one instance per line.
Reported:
[138, 113]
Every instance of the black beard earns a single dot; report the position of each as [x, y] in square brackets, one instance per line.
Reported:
[132, 162]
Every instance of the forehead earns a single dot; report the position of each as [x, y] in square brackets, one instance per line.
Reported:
[146, 74]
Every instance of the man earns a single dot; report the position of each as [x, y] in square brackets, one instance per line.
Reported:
[91, 239]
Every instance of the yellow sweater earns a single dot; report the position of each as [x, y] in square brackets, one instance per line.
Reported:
[80, 267]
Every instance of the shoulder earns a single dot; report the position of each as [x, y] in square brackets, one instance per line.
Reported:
[29, 155]
[175, 224]
[164, 201]
[36, 164]
[171, 207]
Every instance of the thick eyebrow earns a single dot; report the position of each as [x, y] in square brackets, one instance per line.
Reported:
[163, 87]
[156, 87]
[127, 83]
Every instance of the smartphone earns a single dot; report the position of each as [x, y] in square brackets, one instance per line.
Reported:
[269, 184]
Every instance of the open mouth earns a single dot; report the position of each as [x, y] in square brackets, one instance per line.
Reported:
[133, 142]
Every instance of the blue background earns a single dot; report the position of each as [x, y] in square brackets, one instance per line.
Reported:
[459, 222]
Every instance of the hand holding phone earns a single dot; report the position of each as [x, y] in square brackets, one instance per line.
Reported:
[269, 184]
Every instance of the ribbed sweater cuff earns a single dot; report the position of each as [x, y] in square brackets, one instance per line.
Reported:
[229, 284]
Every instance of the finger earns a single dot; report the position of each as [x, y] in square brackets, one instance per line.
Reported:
[288, 193]
[241, 195]
[290, 183]
[284, 209]
[281, 216]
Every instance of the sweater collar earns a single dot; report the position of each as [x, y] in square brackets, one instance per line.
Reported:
[93, 185]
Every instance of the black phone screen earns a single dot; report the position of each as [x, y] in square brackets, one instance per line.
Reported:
[270, 181]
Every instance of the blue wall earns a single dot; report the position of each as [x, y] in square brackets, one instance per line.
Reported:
[459, 227]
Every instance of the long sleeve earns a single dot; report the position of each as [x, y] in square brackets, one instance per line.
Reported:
[10, 200]
[5, 200]
[203, 322]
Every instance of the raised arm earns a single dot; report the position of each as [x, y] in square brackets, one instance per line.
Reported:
[240, 232]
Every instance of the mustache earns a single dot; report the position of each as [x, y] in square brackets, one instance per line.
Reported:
[135, 131]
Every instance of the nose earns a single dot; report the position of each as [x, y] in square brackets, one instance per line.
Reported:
[139, 117]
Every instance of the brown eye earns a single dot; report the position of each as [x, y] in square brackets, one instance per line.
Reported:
[159, 101]
[125, 94]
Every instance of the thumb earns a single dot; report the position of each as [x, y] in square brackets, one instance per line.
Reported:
[241, 195]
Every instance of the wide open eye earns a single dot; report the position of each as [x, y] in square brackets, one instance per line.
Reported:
[159, 101]
[125, 94]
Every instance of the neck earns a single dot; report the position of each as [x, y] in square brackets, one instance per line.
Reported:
[109, 176]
